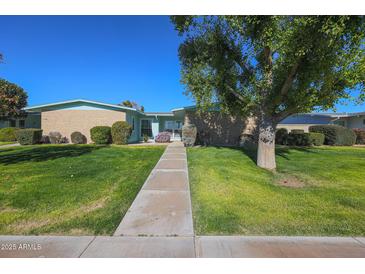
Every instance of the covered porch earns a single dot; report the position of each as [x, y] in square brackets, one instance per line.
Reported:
[152, 123]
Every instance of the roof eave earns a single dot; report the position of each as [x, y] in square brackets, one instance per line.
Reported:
[82, 101]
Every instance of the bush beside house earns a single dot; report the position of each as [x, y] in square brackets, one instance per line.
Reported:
[316, 138]
[29, 136]
[78, 138]
[101, 135]
[335, 135]
[54, 137]
[297, 131]
[298, 137]
[7, 134]
[360, 136]
[163, 137]
[121, 131]
[189, 133]
[45, 139]
[281, 137]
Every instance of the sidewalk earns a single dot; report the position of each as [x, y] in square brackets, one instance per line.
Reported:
[181, 247]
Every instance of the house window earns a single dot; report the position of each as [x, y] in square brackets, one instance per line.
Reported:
[178, 124]
[132, 123]
[363, 122]
[22, 123]
[12, 123]
[146, 128]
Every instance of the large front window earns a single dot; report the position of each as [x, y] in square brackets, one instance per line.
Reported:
[146, 128]
[174, 127]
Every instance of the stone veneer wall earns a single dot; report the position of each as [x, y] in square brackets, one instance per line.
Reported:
[68, 121]
[215, 128]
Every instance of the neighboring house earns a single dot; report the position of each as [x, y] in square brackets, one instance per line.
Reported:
[213, 127]
[305, 120]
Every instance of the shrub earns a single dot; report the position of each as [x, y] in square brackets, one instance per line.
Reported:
[145, 138]
[316, 138]
[45, 139]
[281, 137]
[298, 139]
[335, 135]
[101, 135]
[55, 137]
[163, 137]
[189, 135]
[360, 135]
[297, 131]
[121, 131]
[64, 140]
[7, 134]
[29, 136]
[78, 138]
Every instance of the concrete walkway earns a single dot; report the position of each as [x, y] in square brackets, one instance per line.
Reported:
[163, 206]
[181, 247]
[10, 145]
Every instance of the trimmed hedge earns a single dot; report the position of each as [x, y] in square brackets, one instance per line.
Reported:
[316, 138]
[101, 135]
[78, 138]
[335, 135]
[297, 131]
[121, 131]
[281, 136]
[29, 136]
[299, 139]
[360, 136]
[7, 134]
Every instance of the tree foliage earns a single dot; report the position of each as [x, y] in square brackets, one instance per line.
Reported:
[272, 66]
[131, 104]
[12, 99]
[286, 64]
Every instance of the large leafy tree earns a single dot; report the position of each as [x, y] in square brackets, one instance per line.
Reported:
[272, 66]
[12, 99]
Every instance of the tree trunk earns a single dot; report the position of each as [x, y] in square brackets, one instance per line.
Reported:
[266, 143]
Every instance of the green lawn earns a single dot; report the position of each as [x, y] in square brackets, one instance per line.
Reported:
[71, 189]
[231, 195]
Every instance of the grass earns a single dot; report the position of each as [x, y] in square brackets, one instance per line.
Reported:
[231, 195]
[70, 190]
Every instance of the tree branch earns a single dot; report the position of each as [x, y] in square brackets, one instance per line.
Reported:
[268, 56]
[236, 94]
[289, 80]
[285, 113]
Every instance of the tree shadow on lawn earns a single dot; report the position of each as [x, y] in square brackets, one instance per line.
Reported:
[43, 153]
[282, 151]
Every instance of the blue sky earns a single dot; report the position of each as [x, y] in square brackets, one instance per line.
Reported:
[102, 58]
[108, 59]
